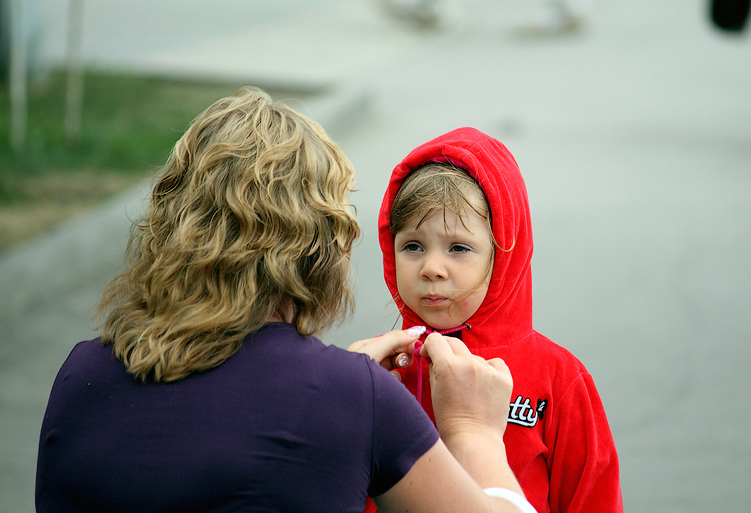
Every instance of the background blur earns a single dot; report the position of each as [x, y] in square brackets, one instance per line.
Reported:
[630, 120]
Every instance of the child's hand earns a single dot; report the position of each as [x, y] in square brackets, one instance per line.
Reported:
[392, 350]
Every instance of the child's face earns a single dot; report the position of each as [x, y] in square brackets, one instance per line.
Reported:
[442, 268]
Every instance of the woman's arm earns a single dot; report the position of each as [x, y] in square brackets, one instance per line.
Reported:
[470, 401]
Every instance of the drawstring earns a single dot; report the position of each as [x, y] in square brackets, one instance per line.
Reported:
[418, 358]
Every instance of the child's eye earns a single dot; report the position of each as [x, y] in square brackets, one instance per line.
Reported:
[412, 246]
[458, 248]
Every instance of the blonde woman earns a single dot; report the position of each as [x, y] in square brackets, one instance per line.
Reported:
[208, 391]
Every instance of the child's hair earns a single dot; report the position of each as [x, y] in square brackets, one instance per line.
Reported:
[248, 218]
[434, 188]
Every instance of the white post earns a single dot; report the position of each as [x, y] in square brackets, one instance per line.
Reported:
[18, 74]
[74, 93]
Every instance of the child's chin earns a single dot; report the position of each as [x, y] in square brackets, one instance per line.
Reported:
[440, 323]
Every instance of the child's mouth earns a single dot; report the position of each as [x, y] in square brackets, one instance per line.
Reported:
[429, 301]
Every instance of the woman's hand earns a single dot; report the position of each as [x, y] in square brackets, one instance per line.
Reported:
[470, 402]
[392, 350]
[469, 393]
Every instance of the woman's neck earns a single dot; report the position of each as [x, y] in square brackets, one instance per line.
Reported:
[285, 313]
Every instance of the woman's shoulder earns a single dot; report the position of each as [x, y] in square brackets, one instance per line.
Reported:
[278, 347]
[84, 353]
[90, 366]
[283, 341]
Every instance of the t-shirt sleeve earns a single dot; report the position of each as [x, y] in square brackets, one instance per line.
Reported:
[402, 431]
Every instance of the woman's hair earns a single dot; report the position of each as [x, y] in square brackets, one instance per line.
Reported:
[249, 218]
[434, 188]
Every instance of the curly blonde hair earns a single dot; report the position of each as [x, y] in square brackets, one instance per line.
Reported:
[249, 218]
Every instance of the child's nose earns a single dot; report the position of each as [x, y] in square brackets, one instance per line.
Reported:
[433, 268]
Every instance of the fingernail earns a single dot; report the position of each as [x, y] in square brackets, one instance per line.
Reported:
[416, 331]
[402, 361]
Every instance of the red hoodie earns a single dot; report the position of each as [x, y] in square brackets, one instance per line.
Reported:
[558, 439]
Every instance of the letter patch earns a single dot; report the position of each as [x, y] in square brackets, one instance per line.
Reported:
[521, 412]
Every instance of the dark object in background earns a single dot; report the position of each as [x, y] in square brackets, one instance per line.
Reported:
[730, 15]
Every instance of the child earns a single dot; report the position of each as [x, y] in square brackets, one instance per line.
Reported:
[456, 237]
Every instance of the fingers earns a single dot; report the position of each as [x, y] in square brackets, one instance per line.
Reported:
[469, 393]
[398, 361]
[443, 348]
[503, 371]
[499, 365]
[391, 350]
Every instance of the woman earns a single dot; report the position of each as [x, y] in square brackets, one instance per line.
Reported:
[207, 390]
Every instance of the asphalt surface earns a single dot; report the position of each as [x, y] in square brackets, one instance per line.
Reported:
[633, 135]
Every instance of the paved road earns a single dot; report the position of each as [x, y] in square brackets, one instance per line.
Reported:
[635, 141]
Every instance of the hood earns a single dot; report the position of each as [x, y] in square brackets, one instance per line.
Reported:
[506, 313]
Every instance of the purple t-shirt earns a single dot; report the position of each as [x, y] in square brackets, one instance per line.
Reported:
[285, 424]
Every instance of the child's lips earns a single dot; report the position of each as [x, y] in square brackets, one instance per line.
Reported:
[432, 300]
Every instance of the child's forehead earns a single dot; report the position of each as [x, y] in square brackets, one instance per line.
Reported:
[451, 222]
[469, 202]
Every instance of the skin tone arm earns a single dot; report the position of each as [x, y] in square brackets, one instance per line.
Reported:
[470, 401]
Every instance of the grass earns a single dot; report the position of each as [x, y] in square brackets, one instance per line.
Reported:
[129, 124]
